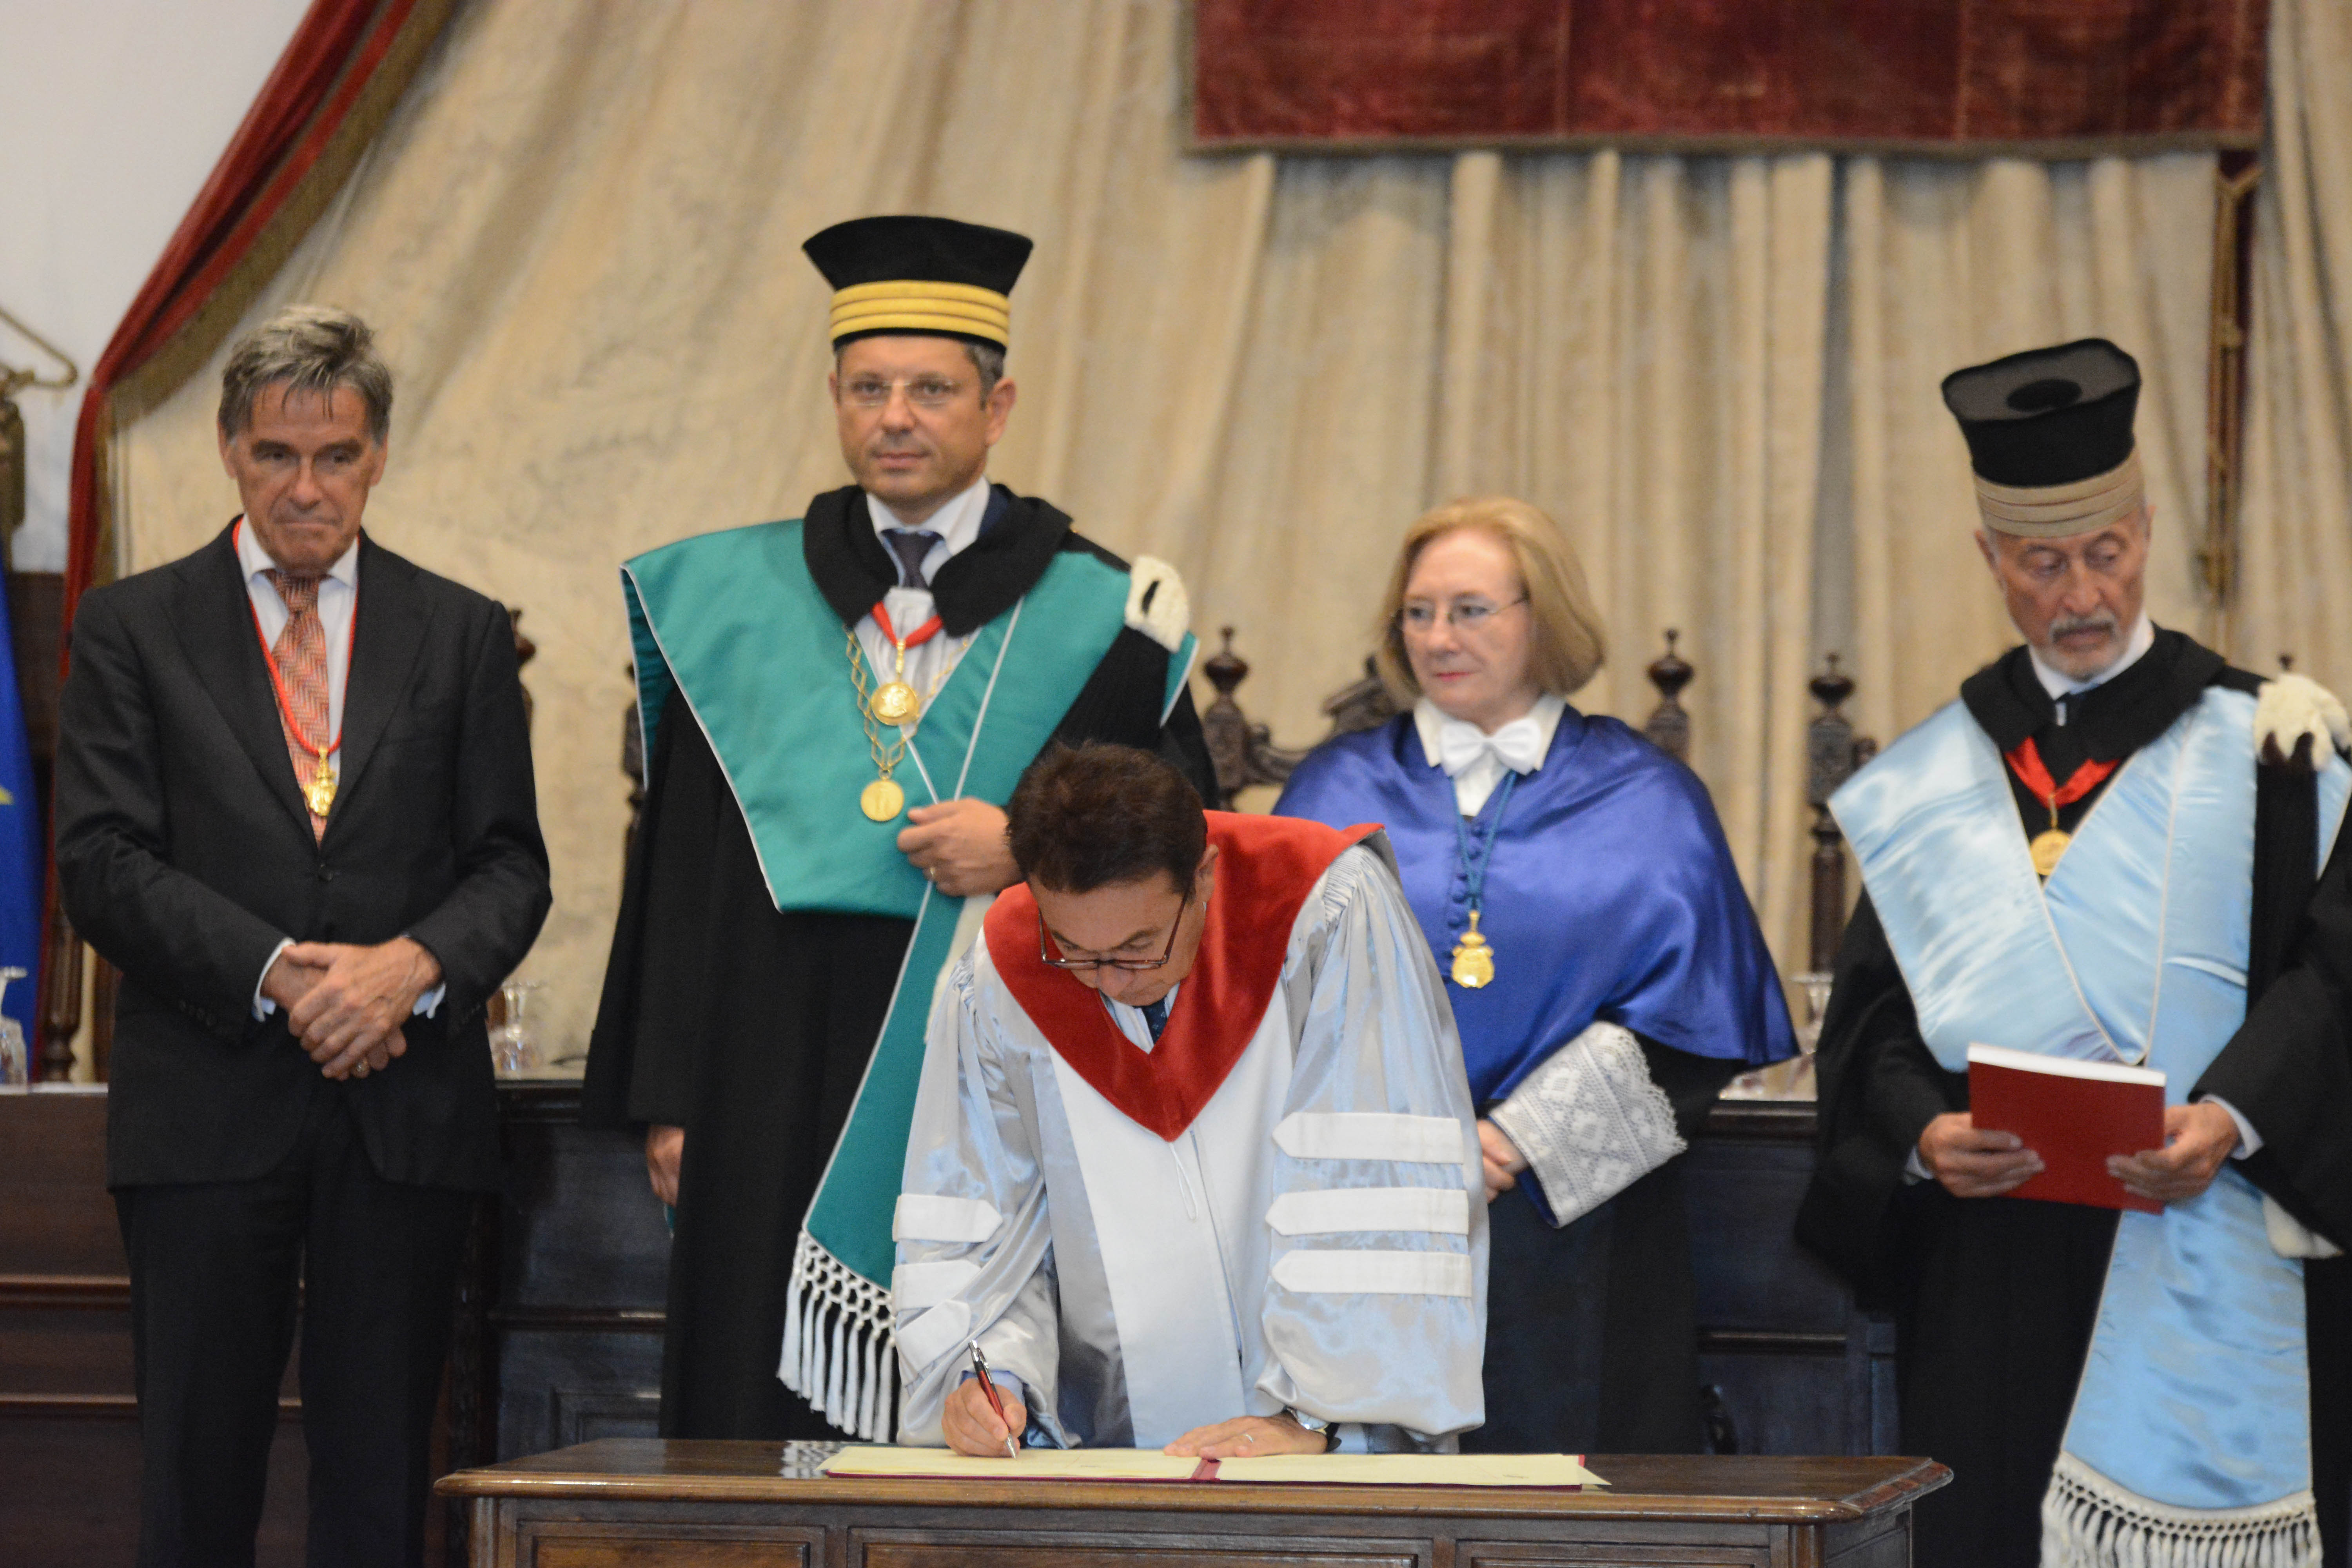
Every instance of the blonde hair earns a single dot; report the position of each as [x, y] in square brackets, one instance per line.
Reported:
[1568, 645]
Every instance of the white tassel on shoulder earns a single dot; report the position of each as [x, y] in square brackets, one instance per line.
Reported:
[2293, 707]
[2089, 1521]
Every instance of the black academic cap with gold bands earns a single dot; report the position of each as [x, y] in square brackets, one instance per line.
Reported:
[2049, 437]
[931, 276]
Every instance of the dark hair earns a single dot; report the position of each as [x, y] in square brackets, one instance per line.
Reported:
[1089, 816]
[986, 358]
[311, 349]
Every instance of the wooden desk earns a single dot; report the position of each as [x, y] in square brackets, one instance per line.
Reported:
[625, 1502]
[560, 1340]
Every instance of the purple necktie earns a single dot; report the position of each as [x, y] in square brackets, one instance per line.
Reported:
[910, 545]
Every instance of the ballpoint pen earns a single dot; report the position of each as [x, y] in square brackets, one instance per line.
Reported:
[988, 1387]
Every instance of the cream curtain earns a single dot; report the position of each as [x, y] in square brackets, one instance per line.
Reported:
[580, 241]
[2296, 522]
[1952, 264]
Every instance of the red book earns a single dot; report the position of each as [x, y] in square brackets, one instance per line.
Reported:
[2073, 1114]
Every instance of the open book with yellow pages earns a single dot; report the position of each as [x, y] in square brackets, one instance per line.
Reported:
[1557, 1470]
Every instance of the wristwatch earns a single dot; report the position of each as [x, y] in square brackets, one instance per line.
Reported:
[1329, 1431]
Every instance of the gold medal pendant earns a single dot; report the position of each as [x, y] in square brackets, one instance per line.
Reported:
[318, 794]
[2046, 850]
[882, 800]
[896, 703]
[1474, 961]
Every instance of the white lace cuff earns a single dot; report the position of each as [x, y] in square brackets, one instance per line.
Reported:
[1590, 1122]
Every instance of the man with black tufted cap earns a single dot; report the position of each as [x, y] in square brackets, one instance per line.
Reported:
[914, 640]
[2105, 852]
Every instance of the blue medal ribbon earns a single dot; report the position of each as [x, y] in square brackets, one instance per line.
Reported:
[1473, 963]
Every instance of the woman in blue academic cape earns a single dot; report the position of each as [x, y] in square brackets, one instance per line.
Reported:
[1606, 967]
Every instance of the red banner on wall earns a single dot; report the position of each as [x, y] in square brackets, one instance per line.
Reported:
[2045, 78]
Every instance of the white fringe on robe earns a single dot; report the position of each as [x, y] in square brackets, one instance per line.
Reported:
[2089, 1521]
[838, 1351]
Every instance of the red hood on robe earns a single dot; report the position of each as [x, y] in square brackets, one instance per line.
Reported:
[1265, 867]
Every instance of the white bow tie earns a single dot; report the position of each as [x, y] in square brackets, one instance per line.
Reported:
[1518, 745]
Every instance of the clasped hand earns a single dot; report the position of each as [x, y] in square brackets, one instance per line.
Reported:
[1980, 1163]
[1501, 1158]
[346, 1004]
[960, 845]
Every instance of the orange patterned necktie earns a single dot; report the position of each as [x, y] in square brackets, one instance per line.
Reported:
[301, 654]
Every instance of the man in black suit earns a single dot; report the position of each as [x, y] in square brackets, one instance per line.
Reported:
[295, 808]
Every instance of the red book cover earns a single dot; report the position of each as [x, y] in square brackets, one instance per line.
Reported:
[2075, 1114]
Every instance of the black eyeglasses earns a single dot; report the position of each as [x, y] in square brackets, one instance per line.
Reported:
[1045, 954]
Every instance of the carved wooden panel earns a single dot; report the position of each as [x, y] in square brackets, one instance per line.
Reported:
[947, 1551]
[68, 1425]
[556, 1544]
[1614, 1554]
[583, 1415]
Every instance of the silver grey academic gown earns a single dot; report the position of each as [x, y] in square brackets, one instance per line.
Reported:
[1316, 1239]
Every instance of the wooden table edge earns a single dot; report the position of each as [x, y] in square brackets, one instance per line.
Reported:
[1213, 1497]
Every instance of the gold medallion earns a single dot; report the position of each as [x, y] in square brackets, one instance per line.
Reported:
[2046, 848]
[1474, 961]
[896, 703]
[320, 793]
[882, 800]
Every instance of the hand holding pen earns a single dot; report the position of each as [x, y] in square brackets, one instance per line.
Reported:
[967, 1422]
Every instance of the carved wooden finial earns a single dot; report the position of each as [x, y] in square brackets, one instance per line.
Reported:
[1831, 687]
[1833, 752]
[1668, 727]
[1225, 669]
[1240, 751]
[1670, 672]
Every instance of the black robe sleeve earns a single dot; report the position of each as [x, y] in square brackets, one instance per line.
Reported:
[1879, 1088]
[652, 1014]
[1121, 701]
[2288, 1070]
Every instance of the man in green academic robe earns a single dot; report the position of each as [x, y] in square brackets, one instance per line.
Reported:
[836, 709]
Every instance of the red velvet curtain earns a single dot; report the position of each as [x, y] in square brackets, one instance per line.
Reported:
[2050, 78]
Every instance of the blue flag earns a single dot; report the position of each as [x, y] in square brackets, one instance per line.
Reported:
[20, 850]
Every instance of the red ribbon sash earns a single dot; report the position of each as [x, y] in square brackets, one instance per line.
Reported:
[1265, 867]
[920, 635]
[2034, 774]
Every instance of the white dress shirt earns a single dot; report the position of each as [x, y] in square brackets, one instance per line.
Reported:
[929, 663]
[1475, 760]
[339, 597]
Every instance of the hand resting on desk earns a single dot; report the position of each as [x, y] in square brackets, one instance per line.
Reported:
[1248, 1438]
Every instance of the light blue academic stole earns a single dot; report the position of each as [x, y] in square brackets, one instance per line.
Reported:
[2194, 1400]
[732, 626]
